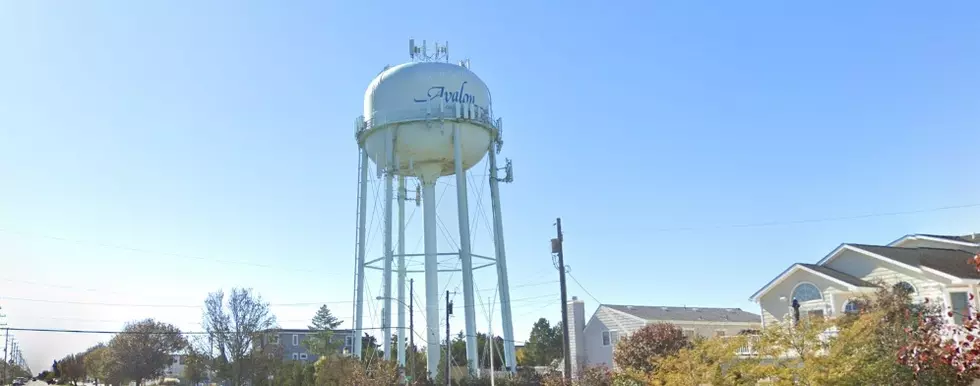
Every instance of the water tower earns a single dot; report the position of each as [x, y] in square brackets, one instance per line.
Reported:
[424, 120]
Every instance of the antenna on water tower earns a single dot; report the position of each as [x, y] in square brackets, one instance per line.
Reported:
[421, 53]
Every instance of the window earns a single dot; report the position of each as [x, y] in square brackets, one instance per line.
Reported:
[614, 336]
[719, 333]
[303, 356]
[606, 340]
[295, 356]
[295, 340]
[349, 341]
[851, 307]
[805, 292]
[961, 306]
[905, 287]
[689, 333]
[273, 339]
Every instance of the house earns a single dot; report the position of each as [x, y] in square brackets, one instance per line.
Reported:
[592, 343]
[934, 267]
[290, 341]
[176, 367]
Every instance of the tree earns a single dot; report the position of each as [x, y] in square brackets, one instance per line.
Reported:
[195, 365]
[97, 363]
[707, 361]
[145, 348]
[370, 349]
[641, 350]
[545, 343]
[72, 368]
[321, 343]
[233, 326]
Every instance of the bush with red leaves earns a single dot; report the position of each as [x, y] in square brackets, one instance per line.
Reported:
[940, 346]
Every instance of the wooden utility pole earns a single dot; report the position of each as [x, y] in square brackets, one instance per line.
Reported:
[556, 247]
[449, 345]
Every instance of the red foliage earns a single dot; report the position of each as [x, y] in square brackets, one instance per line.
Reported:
[937, 344]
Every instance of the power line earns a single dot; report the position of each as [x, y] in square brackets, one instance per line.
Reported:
[583, 287]
[162, 305]
[103, 332]
[814, 220]
[148, 251]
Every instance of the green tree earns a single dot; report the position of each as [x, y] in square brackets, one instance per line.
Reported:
[97, 363]
[544, 345]
[145, 348]
[641, 350]
[72, 368]
[233, 327]
[195, 365]
[321, 342]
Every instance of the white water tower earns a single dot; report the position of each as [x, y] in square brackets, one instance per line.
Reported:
[423, 120]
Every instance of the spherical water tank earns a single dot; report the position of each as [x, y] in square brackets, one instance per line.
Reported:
[415, 106]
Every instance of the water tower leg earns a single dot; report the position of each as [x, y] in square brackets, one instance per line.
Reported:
[506, 318]
[385, 339]
[469, 307]
[401, 272]
[361, 224]
[432, 316]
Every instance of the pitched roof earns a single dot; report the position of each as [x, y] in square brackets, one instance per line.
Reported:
[950, 261]
[972, 238]
[687, 314]
[852, 280]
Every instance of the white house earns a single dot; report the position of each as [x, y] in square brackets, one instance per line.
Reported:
[592, 343]
[934, 267]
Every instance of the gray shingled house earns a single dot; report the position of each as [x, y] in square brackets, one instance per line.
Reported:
[592, 342]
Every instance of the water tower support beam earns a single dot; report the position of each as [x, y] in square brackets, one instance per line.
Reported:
[401, 270]
[428, 174]
[361, 224]
[469, 308]
[389, 250]
[506, 318]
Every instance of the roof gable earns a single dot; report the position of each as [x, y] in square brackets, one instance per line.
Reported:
[971, 240]
[951, 262]
[838, 277]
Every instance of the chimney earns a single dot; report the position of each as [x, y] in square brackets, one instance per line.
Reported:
[576, 335]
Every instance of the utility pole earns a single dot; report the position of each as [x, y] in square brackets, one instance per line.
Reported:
[556, 247]
[411, 323]
[449, 345]
[6, 341]
[492, 340]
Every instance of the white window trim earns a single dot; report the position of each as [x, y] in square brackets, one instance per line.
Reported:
[295, 339]
[694, 333]
[274, 339]
[915, 291]
[724, 333]
[295, 356]
[606, 338]
[303, 356]
[843, 307]
[806, 301]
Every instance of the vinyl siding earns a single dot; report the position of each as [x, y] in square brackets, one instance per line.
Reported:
[606, 319]
[874, 271]
[774, 309]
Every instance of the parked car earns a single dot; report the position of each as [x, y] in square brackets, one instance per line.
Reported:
[19, 382]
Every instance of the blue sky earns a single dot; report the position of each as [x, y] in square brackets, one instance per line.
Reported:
[199, 133]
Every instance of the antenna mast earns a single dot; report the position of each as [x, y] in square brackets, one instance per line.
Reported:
[421, 54]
